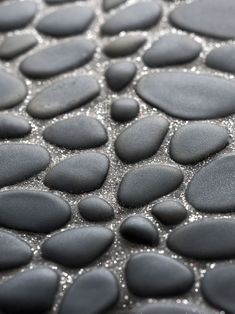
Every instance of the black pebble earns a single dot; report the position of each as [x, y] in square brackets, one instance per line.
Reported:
[124, 109]
[12, 126]
[222, 58]
[111, 4]
[168, 308]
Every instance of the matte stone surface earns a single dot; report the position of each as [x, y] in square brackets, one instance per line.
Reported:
[216, 18]
[14, 251]
[32, 159]
[54, 2]
[39, 211]
[30, 292]
[12, 90]
[171, 50]
[124, 109]
[124, 46]
[81, 173]
[16, 14]
[211, 190]
[151, 275]
[142, 139]
[169, 212]
[95, 209]
[111, 4]
[12, 126]
[58, 58]
[138, 16]
[63, 96]
[66, 21]
[81, 246]
[168, 308]
[80, 132]
[94, 292]
[222, 58]
[120, 74]
[206, 239]
[15, 45]
[139, 230]
[145, 184]
[187, 95]
[196, 141]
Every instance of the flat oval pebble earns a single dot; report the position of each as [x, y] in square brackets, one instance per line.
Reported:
[80, 132]
[120, 74]
[208, 239]
[196, 141]
[16, 15]
[81, 246]
[171, 50]
[32, 159]
[211, 190]
[169, 212]
[222, 59]
[66, 21]
[111, 4]
[63, 96]
[58, 58]
[139, 230]
[124, 109]
[81, 173]
[150, 275]
[12, 90]
[12, 126]
[14, 251]
[145, 184]
[95, 209]
[168, 308]
[218, 287]
[15, 45]
[138, 16]
[39, 211]
[94, 292]
[124, 46]
[187, 95]
[29, 292]
[142, 139]
[216, 18]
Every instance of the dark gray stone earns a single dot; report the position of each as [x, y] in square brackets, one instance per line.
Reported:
[222, 59]
[168, 308]
[111, 4]
[55, 2]
[12, 126]
[124, 109]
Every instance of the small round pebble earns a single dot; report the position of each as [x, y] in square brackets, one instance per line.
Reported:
[111, 4]
[222, 58]
[168, 308]
[95, 209]
[169, 212]
[139, 230]
[12, 126]
[124, 109]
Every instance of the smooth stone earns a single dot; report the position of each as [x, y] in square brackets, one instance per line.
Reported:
[14, 251]
[197, 141]
[66, 21]
[81, 173]
[145, 184]
[81, 246]
[222, 58]
[188, 96]
[12, 90]
[80, 132]
[124, 46]
[15, 45]
[32, 159]
[111, 4]
[94, 292]
[12, 126]
[170, 212]
[171, 50]
[16, 15]
[29, 292]
[208, 239]
[120, 74]
[124, 109]
[39, 211]
[54, 2]
[218, 287]
[139, 230]
[211, 190]
[138, 16]
[58, 58]
[142, 139]
[63, 96]
[95, 209]
[216, 18]
[151, 275]
[168, 308]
